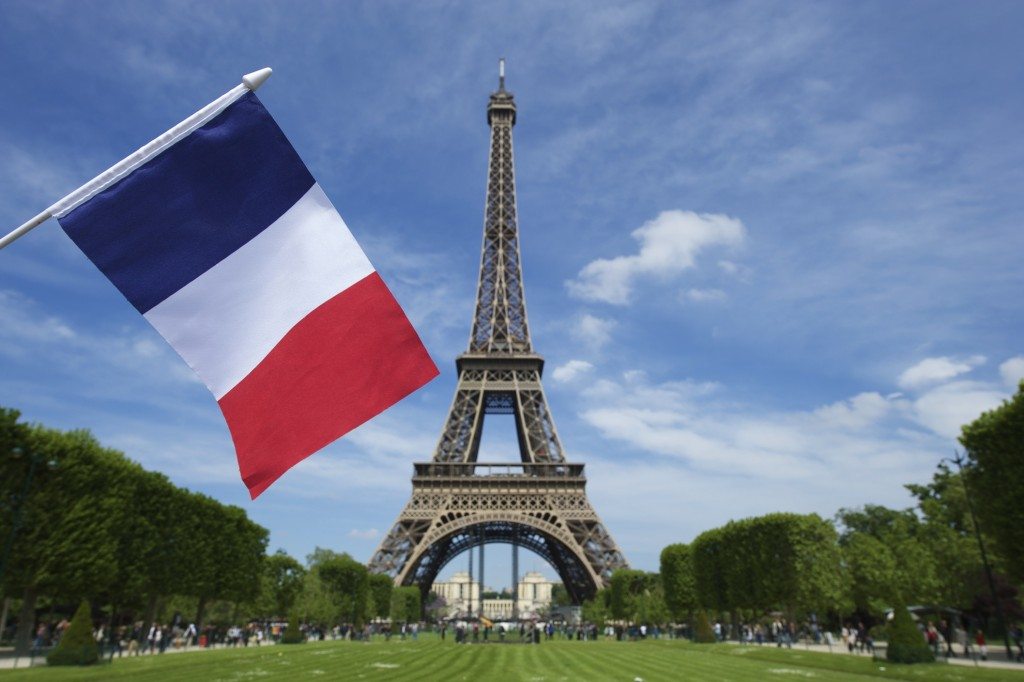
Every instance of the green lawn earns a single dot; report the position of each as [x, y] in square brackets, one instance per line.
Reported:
[430, 659]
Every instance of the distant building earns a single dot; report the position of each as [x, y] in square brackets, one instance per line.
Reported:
[460, 594]
[534, 593]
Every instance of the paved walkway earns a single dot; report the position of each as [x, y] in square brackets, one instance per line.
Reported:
[996, 659]
[7, 660]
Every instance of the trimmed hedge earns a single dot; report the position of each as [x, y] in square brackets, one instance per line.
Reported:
[703, 632]
[292, 634]
[77, 646]
[906, 643]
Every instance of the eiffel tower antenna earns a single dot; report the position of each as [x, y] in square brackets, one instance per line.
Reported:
[459, 503]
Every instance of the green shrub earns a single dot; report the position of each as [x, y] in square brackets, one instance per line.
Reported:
[703, 632]
[292, 634]
[77, 646]
[906, 643]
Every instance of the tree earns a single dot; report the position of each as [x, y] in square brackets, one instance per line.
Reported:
[349, 584]
[995, 446]
[789, 562]
[282, 582]
[948, 532]
[678, 581]
[316, 603]
[873, 573]
[405, 605]
[70, 515]
[636, 596]
[226, 552]
[898, 566]
[709, 569]
[152, 545]
[597, 610]
[77, 646]
[96, 525]
[381, 587]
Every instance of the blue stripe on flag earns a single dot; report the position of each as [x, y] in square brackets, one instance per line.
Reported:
[181, 213]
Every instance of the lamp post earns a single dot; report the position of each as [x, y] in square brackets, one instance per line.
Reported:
[959, 461]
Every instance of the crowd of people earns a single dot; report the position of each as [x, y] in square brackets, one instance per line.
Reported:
[138, 639]
[945, 637]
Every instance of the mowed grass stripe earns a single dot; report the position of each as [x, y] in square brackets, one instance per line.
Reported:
[466, 658]
[588, 666]
[429, 659]
[636, 660]
[558, 666]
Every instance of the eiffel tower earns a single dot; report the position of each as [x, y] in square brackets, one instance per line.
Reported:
[459, 503]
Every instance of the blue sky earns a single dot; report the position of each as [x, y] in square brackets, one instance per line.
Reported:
[771, 251]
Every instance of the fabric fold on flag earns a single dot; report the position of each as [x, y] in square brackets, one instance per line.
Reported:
[232, 251]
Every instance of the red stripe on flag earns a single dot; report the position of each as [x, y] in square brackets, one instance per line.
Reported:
[345, 362]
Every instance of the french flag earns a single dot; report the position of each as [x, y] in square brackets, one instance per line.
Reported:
[223, 240]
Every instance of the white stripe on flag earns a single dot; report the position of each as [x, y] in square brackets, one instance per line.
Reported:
[224, 322]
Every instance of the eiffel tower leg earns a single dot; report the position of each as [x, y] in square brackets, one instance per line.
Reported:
[460, 439]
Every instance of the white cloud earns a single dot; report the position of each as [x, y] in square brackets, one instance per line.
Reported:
[1012, 371]
[704, 295]
[850, 442]
[729, 459]
[593, 332]
[571, 370]
[728, 267]
[133, 356]
[946, 408]
[368, 534]
[669, 244]
[934, 370]
[860, 411]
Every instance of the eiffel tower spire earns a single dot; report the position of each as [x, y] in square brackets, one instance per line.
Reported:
[499, 324]
[459, 503]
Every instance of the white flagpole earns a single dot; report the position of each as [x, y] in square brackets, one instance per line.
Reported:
[250, 82]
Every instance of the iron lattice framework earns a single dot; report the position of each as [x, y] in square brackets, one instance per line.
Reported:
[459, 503]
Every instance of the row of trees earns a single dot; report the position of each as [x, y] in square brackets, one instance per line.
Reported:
[866, 561]
[801, 565]
[338, 589]
[93, 524]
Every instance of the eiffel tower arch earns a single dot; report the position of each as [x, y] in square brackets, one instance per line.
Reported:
[540, 503]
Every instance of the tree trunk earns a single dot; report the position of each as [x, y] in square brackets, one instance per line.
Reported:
[26, 623]
[199, 613]
[3, 617]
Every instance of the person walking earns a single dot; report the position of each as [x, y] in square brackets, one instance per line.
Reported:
[979, 639]
[931, 633]
[151, 637]
[946, 630]
[190, 635]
